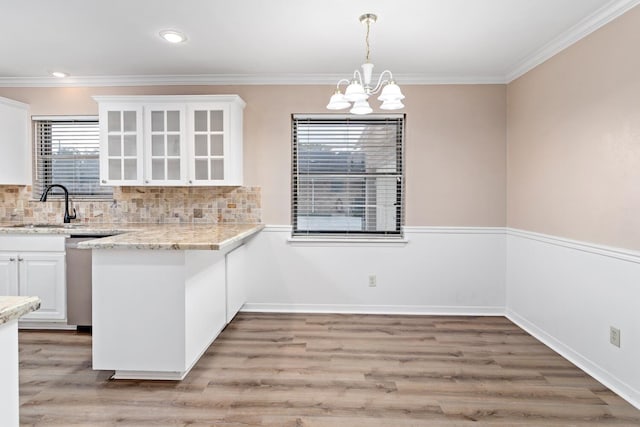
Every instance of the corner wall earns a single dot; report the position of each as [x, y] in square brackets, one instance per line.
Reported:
[568, 293]
[573, 140]
[573, 203]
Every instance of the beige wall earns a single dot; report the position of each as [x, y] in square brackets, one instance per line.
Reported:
[455, 143]
[574, 140]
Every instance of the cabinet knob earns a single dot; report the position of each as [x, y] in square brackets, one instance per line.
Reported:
[190, 182]
[12, 259]
[104, 181]
[20, 259]
[146, 181]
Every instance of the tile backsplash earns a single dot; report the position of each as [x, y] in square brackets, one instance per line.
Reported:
[139, 204]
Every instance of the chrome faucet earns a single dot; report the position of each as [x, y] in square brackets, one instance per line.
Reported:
[67, 217]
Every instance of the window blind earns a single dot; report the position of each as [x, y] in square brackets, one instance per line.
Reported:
[347, 175]
[66, 151]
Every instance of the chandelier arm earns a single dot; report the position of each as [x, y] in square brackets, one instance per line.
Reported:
[347, 81]
[382, 82]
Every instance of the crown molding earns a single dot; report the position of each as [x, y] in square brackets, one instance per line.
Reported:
[230, 79]
[588, 25]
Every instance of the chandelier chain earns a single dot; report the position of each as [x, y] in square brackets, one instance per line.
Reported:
[367, 40]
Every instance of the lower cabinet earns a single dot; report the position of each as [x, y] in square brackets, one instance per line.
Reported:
[156, 312]
[236, 281]
[38, 272]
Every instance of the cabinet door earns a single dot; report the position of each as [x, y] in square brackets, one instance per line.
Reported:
[8, 274]
[15, 162]
[121, 149]
[43, 275]
[209, 144]
[165, 145]
[237, 283]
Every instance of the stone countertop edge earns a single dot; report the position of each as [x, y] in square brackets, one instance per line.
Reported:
[139, 239]
[241, 236]
[73, 229]
[13, 307]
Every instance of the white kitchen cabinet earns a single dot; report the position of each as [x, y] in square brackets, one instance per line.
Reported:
[155, 312]
[165, 163]
[121, 146]
[42, 274]
[35, 266]
[8, 274]
[15, 162]
[215, 149]
[236, 280]
[178, 140]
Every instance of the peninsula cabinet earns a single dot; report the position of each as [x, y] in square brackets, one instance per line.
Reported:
[15, 161]
[171, 140]
[35, 266]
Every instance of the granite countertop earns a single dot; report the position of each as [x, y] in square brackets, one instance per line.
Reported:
[145, 236]
[13, 307]
[177, 237]
[77, 229]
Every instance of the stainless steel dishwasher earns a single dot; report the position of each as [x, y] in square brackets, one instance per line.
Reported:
[78, 281]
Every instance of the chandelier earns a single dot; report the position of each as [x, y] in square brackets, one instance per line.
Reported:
[360, 88]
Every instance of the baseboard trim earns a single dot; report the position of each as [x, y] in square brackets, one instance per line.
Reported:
[375, 309]
[619, 387]
[45, 325]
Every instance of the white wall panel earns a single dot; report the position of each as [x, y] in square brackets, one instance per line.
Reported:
[568, 294]
[439, 271]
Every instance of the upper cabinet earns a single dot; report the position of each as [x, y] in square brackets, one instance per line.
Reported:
[165, 142]
[171, 140]
[121, 148]
[15, 142]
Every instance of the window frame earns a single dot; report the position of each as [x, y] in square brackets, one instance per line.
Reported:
[400, 187]
[39, 156]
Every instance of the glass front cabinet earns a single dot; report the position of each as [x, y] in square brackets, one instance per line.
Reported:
[171, 140]
[120, 144]
[165, 162]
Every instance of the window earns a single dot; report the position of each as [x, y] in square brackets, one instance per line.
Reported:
[66, 151]
[347, 175]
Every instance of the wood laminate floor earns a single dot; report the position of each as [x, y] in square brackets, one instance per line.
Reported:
[328, 370]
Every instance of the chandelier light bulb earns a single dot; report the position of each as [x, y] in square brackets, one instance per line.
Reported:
[355, 92]
[338, 101]
[361, 107]
[391, 92]
[359, 87]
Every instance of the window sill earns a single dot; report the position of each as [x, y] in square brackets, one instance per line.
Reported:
[347, 241]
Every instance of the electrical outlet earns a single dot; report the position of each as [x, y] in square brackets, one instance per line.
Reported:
[614, 336]
[373, 282]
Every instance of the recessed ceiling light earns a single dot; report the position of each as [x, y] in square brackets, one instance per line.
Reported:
[59, 74]
[173, 36]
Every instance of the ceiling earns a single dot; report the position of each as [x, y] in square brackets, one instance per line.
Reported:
[287, 41]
